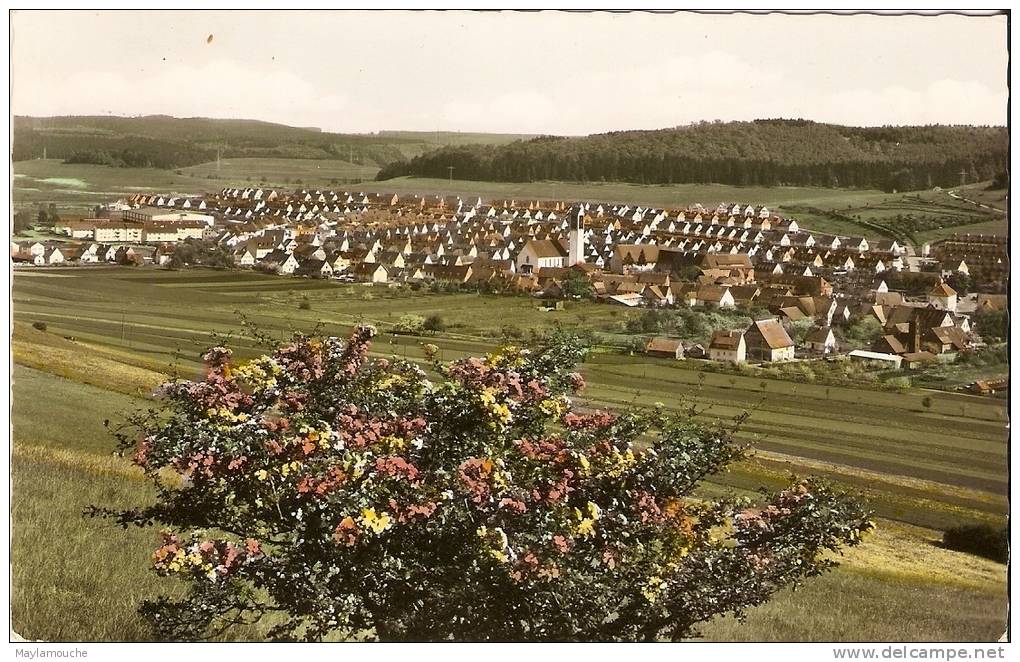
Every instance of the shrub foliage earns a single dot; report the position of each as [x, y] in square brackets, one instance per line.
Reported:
[334, 495]
[979, 539]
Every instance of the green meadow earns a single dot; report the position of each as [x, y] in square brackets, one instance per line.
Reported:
[113, 333]
[277, 172]
[78, 186]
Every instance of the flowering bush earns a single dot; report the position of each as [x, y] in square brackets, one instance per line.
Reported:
[330, 494]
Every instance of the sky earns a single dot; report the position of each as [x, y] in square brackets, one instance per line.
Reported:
[510, 72]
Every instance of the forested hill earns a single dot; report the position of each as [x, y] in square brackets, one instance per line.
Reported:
[162, 141]
[763, 152]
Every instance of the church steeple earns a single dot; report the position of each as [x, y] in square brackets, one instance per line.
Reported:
[576, 241]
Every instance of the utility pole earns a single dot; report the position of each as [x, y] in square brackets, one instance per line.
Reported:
[450, 168]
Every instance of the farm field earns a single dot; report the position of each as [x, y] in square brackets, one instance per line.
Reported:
[670, 195]
[80, 186]
[284, 172]
[111, 333]
[980, 193]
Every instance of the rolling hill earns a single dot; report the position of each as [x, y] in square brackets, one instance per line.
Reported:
[167, 142]
[758, 153]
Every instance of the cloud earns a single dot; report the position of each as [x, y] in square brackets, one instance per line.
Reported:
[942, 101]
[547, 72]
[218, 88]
[667, 92]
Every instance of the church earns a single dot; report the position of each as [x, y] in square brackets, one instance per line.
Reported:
[538, 254]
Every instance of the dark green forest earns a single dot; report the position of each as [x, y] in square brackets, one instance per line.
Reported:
[759, 153]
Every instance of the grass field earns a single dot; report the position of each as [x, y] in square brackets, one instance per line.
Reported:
[112, 330]
[79, 186]
[980, 193]
[665, 195]
[280, 172]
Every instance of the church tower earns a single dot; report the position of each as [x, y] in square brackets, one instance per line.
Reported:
[576, 240]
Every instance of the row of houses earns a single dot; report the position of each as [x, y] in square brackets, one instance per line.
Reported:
[104, 230]
[61, 253]
[913, 333]
[778, 243]
[765, 340]
[730, 256]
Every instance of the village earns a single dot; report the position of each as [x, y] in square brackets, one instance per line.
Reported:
[801, 289]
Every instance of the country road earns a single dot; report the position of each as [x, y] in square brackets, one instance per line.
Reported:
[953, 194]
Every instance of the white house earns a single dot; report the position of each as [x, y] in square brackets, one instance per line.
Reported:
[943, 297]
[822, 340]
[728, 346]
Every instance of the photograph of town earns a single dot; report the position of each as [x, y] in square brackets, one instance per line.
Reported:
[477, 326]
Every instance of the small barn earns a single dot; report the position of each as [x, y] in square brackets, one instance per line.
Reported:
[665, 347]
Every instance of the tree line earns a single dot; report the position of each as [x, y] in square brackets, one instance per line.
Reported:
[759, 153]
[171, 142]
[145, 152]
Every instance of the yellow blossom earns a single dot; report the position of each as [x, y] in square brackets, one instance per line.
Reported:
[586, 525]
[551, 407]
[488, 396]
[500, 479]
[502, 412]
[375, 522]
[262, 474]
[387, 382]
[287, 468]
[653, 588]
[393, 443]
